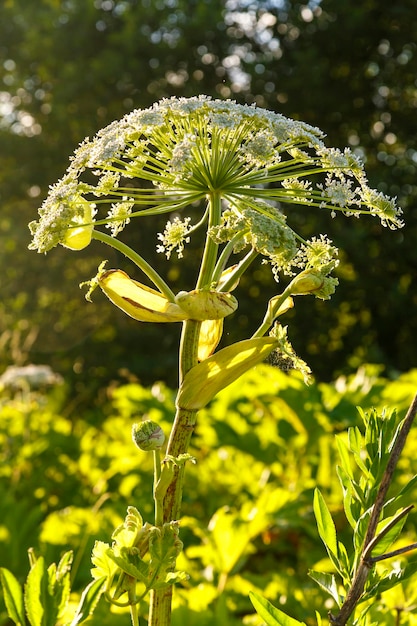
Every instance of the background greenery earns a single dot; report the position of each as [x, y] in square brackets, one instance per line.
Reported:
[261, 448]
[67, 467]
[68, 68]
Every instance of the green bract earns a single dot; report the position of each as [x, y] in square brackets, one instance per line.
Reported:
[181, 151]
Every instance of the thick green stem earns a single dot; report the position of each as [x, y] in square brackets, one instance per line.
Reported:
[184, 422]
[179, 440]
[209, 260]
[160, 607]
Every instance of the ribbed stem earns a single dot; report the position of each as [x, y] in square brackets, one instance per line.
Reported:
[184, 422]
[179, 440]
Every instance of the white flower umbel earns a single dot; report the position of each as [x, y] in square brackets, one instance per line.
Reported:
[180, 151]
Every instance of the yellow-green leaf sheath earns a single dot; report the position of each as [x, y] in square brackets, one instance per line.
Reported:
[210, 334]
[201, 304]
[137, 300]
[206, 379]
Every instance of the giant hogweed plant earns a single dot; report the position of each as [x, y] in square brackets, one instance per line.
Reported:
[233, 172]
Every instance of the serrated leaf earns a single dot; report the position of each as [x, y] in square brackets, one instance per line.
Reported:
[325, 524]
[36, 594]
[89, 599]
[132, 565]
[13, 597]
[59, 586]
[270, 614]
[171, 578]
[165, 545]
[327, 582]
[104, 565]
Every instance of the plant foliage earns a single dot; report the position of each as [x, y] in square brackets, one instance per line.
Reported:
[262, 445]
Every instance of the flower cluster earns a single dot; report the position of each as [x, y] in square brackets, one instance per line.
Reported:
[184, 152]
[175, 235]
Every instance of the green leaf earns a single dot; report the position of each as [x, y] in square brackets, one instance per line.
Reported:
[407, 487]
[356, 444]
[325, 525]
[344, 456]
[271, 615]
[104, 565]
[344, 566]
[59, 588]
[164, 547]
[327, 582]
[170, 578]
[131, 564]
[390, 579]
[89, 599]
[13, 597]
[347, 494]
[36, 588]
[360, 530]
[64, 565]
[387, 540]
[47, 591]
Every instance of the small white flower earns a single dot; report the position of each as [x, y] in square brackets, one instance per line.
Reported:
[383, 207]
[174, 237]
[182, 153]
[119, 215]
[300, 188]
[338, 191]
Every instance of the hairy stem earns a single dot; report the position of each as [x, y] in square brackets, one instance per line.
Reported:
[184, 422]
[209, 259]
[179, 440]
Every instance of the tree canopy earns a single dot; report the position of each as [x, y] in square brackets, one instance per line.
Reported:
[69, 68]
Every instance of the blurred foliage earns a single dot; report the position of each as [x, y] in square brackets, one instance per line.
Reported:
[261, 447]
[69, 68]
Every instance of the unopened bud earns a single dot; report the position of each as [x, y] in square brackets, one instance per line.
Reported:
[306, 282]
[78, 236]
[206, 305]
[148, 435]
